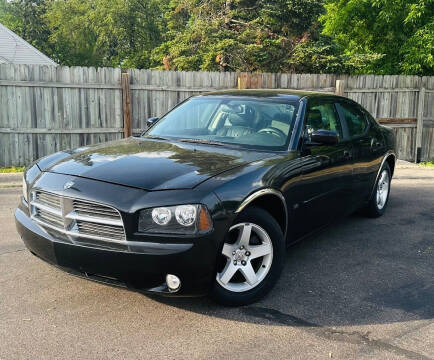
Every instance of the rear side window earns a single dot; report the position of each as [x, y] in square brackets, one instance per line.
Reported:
[355, 119]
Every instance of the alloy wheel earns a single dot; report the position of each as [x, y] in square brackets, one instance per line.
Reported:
[248, 258]
[383, 189]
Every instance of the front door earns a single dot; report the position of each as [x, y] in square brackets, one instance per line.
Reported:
[326, 169]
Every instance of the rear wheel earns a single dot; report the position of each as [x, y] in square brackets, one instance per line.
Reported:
[251, 259]
[380, 197]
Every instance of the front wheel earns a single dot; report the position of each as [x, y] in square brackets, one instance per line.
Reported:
[251, 259]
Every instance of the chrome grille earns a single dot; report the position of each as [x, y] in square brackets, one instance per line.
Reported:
[49, 217]
[49, 200]
[107, 231]
[77, 218]
[94, 210]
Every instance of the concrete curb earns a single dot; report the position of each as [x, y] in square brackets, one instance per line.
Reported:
[402, 164]
[10, 180]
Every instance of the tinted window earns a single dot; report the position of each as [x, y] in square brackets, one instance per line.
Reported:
[355, 119]
[323, 117]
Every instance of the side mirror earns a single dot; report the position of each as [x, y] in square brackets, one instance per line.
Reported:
[324, 137]
[151, 121]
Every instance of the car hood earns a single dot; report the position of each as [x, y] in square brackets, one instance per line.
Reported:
[150, 164]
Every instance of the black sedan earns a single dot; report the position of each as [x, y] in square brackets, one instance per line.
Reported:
[209, 197]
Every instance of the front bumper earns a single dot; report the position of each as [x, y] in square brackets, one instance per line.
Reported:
[141, 266]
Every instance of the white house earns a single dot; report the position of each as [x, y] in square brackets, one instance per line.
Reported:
[15, 50]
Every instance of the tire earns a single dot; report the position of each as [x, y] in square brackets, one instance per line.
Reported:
[376, 208]
[237, 261]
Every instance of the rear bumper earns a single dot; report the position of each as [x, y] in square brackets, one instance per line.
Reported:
[141, 266]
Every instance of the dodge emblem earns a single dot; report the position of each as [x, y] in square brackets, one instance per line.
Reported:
[68, 185]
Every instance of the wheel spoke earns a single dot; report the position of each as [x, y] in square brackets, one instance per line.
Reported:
[244, 235]
[249, 273]
[228, 272]
[383, 175]
[227, 250]
[259, 250]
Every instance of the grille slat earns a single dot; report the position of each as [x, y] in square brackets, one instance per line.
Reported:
[90, 209]
[82, 218]
[94, 213]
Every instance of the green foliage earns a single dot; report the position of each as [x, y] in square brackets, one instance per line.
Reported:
[315, 36]
[243, 35]
[400, 33]
[105, 32]
[13, 169]
[427, 163]
[325, 56]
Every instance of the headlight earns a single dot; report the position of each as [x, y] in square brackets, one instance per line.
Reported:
[186, 214]
[161, 216]
[25, 189]
[181, 219]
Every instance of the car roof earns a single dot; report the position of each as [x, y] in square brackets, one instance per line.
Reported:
[268, 93]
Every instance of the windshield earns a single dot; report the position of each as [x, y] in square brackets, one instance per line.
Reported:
[253, 123]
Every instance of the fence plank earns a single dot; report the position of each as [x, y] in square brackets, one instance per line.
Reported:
[340, 87]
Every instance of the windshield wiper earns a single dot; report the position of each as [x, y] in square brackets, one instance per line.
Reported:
[202, 141]
[155, 137]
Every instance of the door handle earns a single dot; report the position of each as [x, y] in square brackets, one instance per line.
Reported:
[375, 143]
[348, 155]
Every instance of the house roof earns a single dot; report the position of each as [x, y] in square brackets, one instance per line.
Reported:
[15, 50]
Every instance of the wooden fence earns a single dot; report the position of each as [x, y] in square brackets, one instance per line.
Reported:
[46, 109]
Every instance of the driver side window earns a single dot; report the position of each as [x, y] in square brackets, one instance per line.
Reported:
[323, 117]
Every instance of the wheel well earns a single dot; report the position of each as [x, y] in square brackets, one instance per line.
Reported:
[391, 162]
[273, 205]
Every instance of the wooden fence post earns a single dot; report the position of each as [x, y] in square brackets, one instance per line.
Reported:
[249, 80]
[419, 125]
[340, 88]
[126, 104]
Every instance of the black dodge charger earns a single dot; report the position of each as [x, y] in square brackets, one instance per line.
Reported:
[209, 197]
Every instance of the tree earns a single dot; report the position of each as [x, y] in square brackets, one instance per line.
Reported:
[323, 55]
[342, 36]
[26, 18]
[105, 32]
[243, 35]
[400, 33]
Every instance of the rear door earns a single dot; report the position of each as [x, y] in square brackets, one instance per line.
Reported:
[326, 169]
[368, 147]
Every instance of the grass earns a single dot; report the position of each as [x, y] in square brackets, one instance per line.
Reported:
[427, 163]
[13, 169]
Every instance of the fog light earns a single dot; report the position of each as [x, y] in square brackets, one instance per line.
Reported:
[173, 282]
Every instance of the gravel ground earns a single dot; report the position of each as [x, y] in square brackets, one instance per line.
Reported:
[361, 289]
